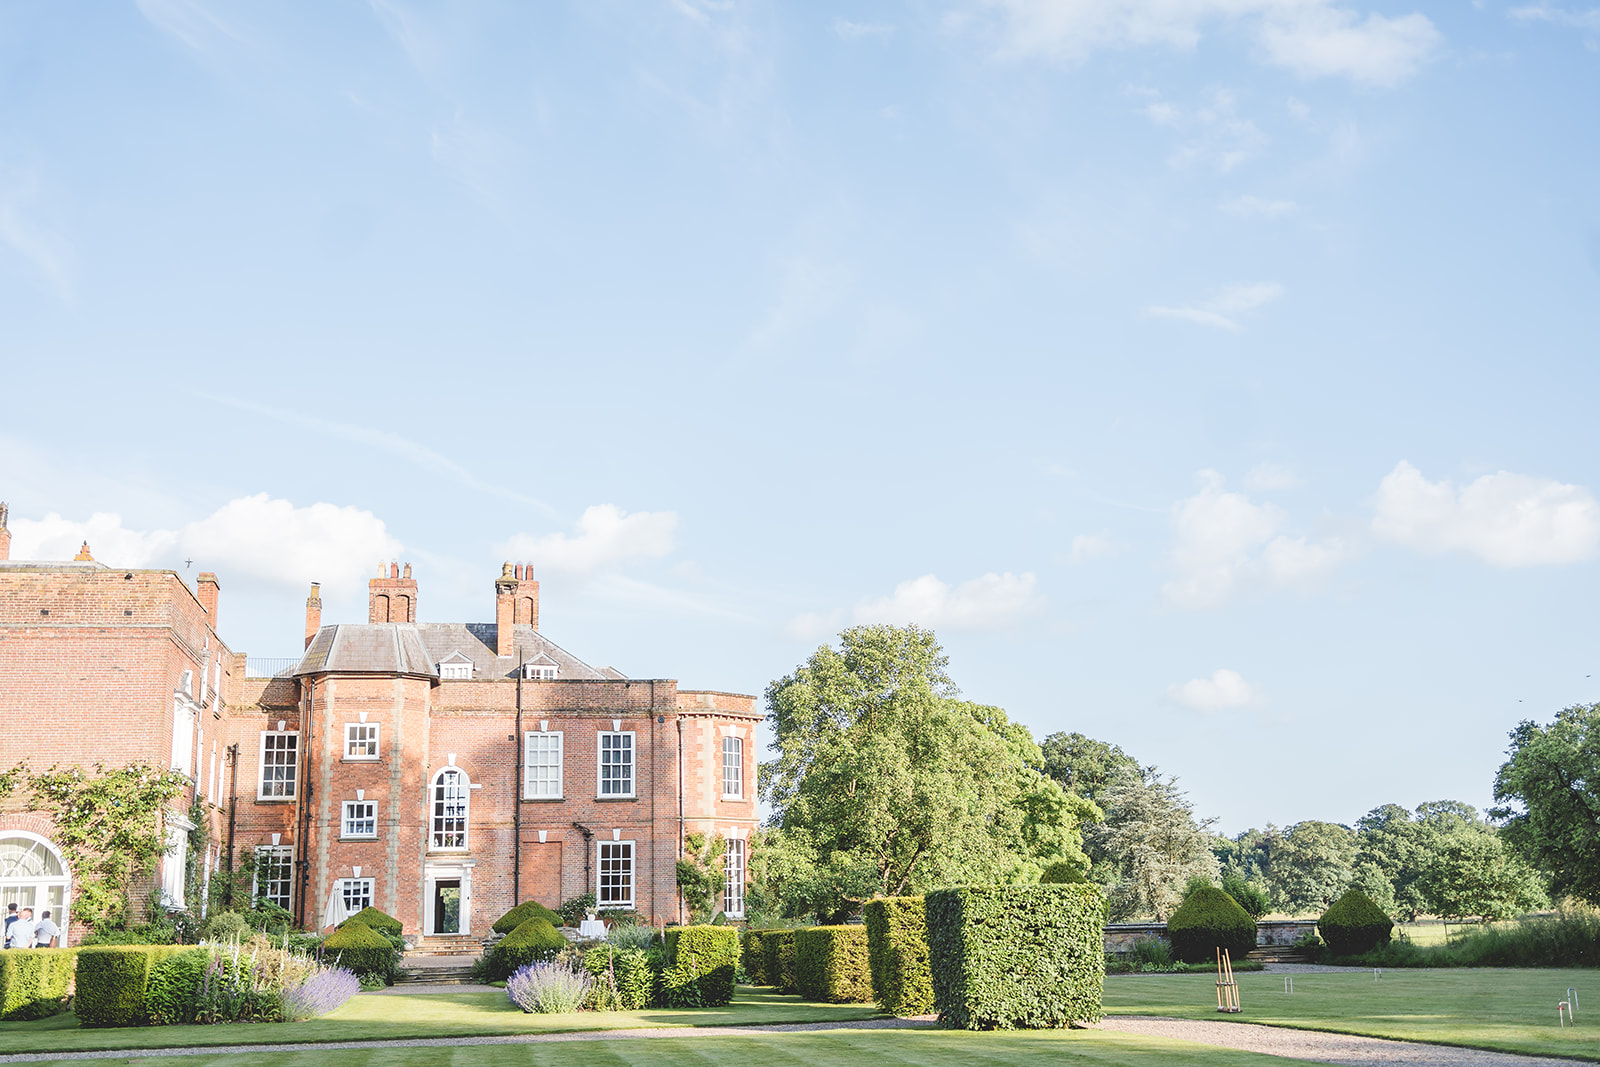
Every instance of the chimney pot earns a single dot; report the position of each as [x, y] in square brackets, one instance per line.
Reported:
[394, 570]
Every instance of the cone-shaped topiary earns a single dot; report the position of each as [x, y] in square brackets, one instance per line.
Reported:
[373, 919]
[1208, 920]
[528, 909]
[535, 941]
[362, 949]
[1354, 924]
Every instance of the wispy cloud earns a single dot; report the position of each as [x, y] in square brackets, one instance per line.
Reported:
[1213, 134]
[1578, 20]
[1256, 207]
[1222, 690]
[1223, 310]
[850, 31]
[603, 535]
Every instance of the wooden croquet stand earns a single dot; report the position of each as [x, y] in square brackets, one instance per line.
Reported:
[1227, 985]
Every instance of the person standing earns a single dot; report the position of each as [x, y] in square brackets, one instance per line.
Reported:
[45, 932]
[11, 917]
[22, 930]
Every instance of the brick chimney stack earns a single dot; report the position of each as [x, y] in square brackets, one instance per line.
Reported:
[207, 589]
[391, 596]
[5, 533]
[313, 612]
[505, 607]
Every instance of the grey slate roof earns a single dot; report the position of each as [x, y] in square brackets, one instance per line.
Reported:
[417, 649]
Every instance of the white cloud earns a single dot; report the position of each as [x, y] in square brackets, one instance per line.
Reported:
[1313, 38]
[1255, 207]
[1509, 520]
[253, 537]
[850, 31]
[1225, 543]
[1265, 477]
[1091, 546]
[1222, 311]
[1214, 134]
[1224, 689]
[603, 535]
[1581, 20]
[982, 603]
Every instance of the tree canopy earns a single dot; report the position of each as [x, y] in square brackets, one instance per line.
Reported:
[1549, 797]
[1152, 842]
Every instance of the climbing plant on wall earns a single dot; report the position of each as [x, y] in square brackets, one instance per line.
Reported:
[700, 874]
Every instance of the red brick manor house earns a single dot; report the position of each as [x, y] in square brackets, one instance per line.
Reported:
[443, 772]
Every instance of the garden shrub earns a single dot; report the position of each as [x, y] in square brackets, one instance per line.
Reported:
[329, 988]
[777, 946]
[1354, 924]
[1063, 872]
[225, 926]
[112, 980]
[630, 967]
[639, 937]
[701, 964]
[1208, 920]
[548, 988]
[362, 949]
[534, 941]
[172, 989]
[34, 981]
[1021, 956]
[751, 957]
[830, 964]
[528, 909]
[897, 952]
[373, 919]
[575, 910]
[1252, 898]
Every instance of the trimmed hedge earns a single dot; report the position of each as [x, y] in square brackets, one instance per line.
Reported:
[112, 981]
[373, 919]
[1208, 920]
[830, 964]
[528, 909]
[1354, 924]
[702, 962]
[897, 952]
[534, 941]
[777, 949]
[1018, 956]
[752, 957]
[34, 981]
[362, 949]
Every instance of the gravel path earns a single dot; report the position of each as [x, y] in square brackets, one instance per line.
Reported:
[1323, 1047]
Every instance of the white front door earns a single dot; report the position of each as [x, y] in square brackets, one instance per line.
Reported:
[447, 906]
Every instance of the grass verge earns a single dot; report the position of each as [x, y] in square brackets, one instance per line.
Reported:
[1490, 1008]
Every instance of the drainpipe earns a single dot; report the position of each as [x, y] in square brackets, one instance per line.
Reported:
[679, 856]
[588, 858]
[232, 754]
[516, 805]
[655, 720]
[307, 730]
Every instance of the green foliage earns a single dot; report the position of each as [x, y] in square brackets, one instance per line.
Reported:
[573, 911]
[528, 909]
[1152, 844]
[363, 950]
[1249, 896]
[1082, 765]
[1549, 791]
[172, 990]
[1568, 939]
[534, 941]
[1063, 872]
[626, 970]
[34, 981]
[109, 828]
[269, 918]
[1208, 920]
[886, 782]
[1354, 924]
[111, 983]
[831, 964]
[1312, 866]
[375, 920]
[897, 953]
[700, 874]
[752, 957]
[701, 964]
[1474, 875]
[1150, 952]
[224, 926]
[777, 946]
[1017, 957]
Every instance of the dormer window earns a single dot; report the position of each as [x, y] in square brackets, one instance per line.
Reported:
[455, 666]
[541, 667]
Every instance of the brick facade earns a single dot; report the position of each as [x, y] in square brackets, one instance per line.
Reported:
[92, 669]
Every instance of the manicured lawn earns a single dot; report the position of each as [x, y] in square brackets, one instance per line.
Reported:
[1509, 1010]
[838, 1048]
[368, 1018]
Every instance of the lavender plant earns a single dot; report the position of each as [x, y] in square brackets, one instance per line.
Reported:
[319, 994]
[548, 988]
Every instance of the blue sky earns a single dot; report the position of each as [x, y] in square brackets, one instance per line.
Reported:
[1214, 376]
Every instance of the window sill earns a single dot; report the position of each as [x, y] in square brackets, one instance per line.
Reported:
[361, 759]
[611, 799]
[360, 837]
[543, 800]
[731, 797]
[276, 800]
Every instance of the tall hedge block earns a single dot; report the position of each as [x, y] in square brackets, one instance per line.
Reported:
[830, 964]
[777, 946]
[897, 951]
[753, 957]
[1017, 956]
[111, 982]
[702, 962]
[34, 981]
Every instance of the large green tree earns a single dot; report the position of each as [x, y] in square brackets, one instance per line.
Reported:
[1549, 796]
[1153, 843]
[1475, 876]
[1312, 866]
[1083, 765]
[886, 781]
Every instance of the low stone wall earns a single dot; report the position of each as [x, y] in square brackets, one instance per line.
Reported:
[1119, 937]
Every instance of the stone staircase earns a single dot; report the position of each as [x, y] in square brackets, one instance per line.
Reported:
[1276, 954]
[445, 945]
[440, 959]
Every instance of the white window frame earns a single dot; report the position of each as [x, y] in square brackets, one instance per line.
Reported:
[541, 672]
[459, 672]
[632, 855]
[274, 854]
[352, 815]
[528, 792]
[600, 765]
[357, 893]
[435, 818]
[293, 765]
[352, 730]
[737, 793]
[733, 875]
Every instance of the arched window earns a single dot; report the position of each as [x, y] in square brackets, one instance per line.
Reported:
[33, 875]
[451, 793]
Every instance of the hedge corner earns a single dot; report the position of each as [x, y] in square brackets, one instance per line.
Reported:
[830, 964]
[897, 951]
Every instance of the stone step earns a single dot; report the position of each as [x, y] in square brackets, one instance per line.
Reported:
[1276, 954]
[451, 976]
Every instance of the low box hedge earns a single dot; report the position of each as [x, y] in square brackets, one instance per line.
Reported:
[1017, 957]
[702, 963]
[897, 952]
[533, 941]
[830, 964]
[112, 980]
[34, 981]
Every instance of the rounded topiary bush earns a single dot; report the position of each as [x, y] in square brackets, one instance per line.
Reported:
[361, 949]
[1208, 920]
[528, 909]
[1354, 924]
[535, 941]
[373, 919]
[1062, 872]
